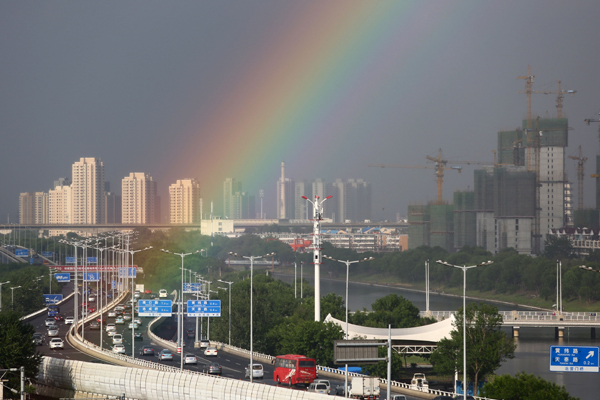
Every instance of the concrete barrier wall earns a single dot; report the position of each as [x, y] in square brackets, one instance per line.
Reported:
[69, 376]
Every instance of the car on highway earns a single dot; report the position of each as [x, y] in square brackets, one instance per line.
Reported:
[133, 325]
[120, 320]
[56, 343]
[39, 339]
[50, 321]
[165, 354]
[212, 368]
[162, 293]
[339, 390]
[191, 333]
[53, 330]
[94, 325]
[138, 321]
[210, 352]
[147, 291]
[316, 387]
[127, 316]
[101, 320]
[110, 327]
[117, 339]
[147, 351]
[69, 320]
[119, 349]
[111, 333]
[138, 335]
[403, 397]
[257, 371]
[137, 294]
[190, 359]
[91, 309]
[91, 298]
[325, 382]
[112, 314]
[204, 344]
[59, 317]
[447, 398]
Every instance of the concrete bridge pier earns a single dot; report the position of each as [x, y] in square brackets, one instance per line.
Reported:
[515, 331]
[559, 332]
[593, 333]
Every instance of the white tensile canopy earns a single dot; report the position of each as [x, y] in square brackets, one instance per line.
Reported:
[431, 333]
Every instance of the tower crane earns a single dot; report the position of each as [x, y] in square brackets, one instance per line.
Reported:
[439, 167]
[580, 162]
[589, 121]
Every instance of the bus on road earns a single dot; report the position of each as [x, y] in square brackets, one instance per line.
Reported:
[293, 369]
[53, 310]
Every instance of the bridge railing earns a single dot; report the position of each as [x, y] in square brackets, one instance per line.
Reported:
[527, 316]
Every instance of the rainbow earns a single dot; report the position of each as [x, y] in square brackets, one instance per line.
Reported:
[310, 83]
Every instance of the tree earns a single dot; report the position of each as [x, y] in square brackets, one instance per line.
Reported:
[487, 345]
[558, 248]
[18, 349]
[391, 309]
[524, 387]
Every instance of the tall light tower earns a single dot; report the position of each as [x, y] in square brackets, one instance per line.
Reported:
[317, 218]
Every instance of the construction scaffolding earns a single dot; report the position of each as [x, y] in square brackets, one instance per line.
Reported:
[465, 223]
[511, 150]
[484, 189]
[514, 192]
[587, 219]
[441, 230]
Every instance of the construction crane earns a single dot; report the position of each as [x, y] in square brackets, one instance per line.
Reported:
[559, 97]
[439, 167]
[580, 162]
[589, 121]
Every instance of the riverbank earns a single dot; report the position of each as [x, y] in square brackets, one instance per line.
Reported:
[522, 299]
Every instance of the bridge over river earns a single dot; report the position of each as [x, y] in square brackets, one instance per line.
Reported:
[537, 319]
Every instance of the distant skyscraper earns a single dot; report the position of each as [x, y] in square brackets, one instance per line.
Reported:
[301, 206]
[230, 188]
[244, 206]
[62, 182]
[112, 208]
[88, 191]
[285, 196]
[33, 208]
[138, 199]
[323, 189]
[359, 205]
[184, 207]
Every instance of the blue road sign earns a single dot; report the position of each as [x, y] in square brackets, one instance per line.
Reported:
[22, 252]
[90, 277]
[204, 308]
[155, 308]
[52, 298]
[574, 359]
[47, 253]
[129, 272]
[69, 260]
[92, 260]
[63, 277]
[192, 287]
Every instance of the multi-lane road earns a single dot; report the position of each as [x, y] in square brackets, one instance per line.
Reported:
[233, 366]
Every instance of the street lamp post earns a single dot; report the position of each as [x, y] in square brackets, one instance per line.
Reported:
[316, 246]
[464, 269]
[347, 263]
[180, 308]
[2, 283]
[132, 252]
[229, 283]
[12, 296]
[251, 258]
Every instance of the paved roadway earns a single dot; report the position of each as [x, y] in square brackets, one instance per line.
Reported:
[232, 365]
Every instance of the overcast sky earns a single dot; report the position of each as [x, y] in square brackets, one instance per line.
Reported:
[215, 89]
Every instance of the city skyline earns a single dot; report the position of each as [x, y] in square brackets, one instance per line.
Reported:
[220, 90]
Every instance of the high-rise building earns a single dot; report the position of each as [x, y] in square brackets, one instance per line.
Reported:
[60, 203]
[62, 182]
[285, 196]
[244, 206]
[184, 207]
[359, 206]
[33, 208]
[88, 191]
[230, 188]
[301, 206]
[138, 204]
[323, 189]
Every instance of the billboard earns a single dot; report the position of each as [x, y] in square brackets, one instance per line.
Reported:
[204, 308]
[63, 277]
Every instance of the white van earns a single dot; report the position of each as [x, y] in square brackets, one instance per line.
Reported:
[162, 293]
[257, 371]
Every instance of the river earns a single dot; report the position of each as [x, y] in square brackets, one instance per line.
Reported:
[533, 349]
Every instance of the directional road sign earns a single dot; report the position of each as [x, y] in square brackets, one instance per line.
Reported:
[22, 252]
[63, 277]
[90, 277]
[574, 359]
[204, 308]
[70, 260]
[52, 298]
[155, 308]
[192, 287]
[129, 272]
[47, 253]
[92, 260]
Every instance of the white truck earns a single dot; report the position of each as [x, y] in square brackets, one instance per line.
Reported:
[364, 388]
